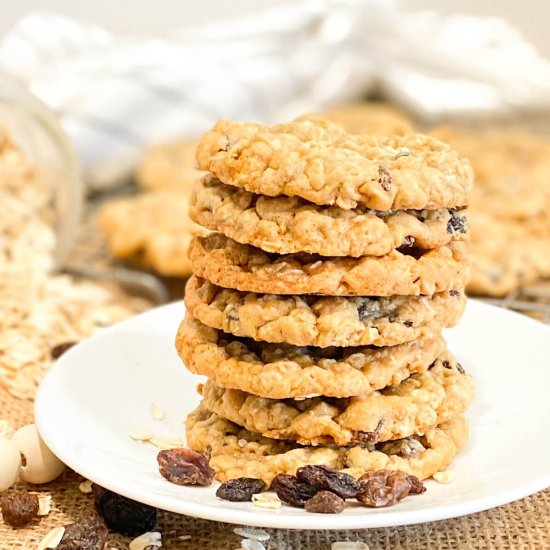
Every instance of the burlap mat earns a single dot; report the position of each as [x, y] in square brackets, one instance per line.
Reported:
[520, 525]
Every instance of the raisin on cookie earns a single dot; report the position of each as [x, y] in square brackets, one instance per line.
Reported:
[236, 452]
[289, 224]
[412, 407]
[320, 162]
[229, 264]
[310, 320]
[281, 371]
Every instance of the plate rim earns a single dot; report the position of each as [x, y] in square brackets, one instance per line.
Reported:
[270, 519]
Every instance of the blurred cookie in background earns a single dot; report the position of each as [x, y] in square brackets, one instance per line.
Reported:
[168, 165]
[509, 220]
[506, 255]
[151, 230]
[512, 170]
[367, 118]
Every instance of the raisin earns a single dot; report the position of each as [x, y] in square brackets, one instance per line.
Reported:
[417, 487]
[240, 489]
[123, 515]
[324, 478]
[325, 502]
[88, 533]
[385, 487]
[384, 178]
[382, 488]
[291, 490]
[57, 351]
[454, 293]
[19, 508]
[369, 438]
[408, 447]
[408, 324]
[456, 223]
[185, 467]
[369, 309]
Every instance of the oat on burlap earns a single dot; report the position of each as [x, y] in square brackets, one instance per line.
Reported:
[521, 525]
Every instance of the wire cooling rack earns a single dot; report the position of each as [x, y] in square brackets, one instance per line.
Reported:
[532, 300]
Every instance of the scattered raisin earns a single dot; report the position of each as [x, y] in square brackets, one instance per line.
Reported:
[19, 508]
[123, 515]
[88, 533]
[57, 351]
[324, 478]
[417, 487]
[241, 489]
[291, 490]
[325, 502]
[385, 487]
[185, 467]
[384, 178]
[454, 293]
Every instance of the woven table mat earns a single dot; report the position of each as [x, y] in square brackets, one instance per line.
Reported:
[522, 524]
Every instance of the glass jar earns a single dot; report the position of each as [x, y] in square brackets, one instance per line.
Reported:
[34, 129]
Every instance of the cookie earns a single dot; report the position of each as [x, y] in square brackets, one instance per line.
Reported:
[322, 321]
[506, 255]
[281, 371]
[236, 452]
[417, 404]
[151, 230]
[511, 168]
[169, 166]
[286, 225]
[229, 264]
[321, 163]
[367, 117]
[510, 231]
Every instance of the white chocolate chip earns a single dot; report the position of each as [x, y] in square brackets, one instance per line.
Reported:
[252, 533]
[39, 464]
[44, 505]
[156, 412]
[445, 477]
[85, 487]
[10, 464]
[52, 539]
[266, 500]
[147, 539]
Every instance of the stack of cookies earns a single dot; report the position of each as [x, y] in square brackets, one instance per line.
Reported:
[316, 306]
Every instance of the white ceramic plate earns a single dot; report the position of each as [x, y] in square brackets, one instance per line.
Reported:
[101, 389]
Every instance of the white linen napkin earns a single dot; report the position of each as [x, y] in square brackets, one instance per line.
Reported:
[118, 94]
